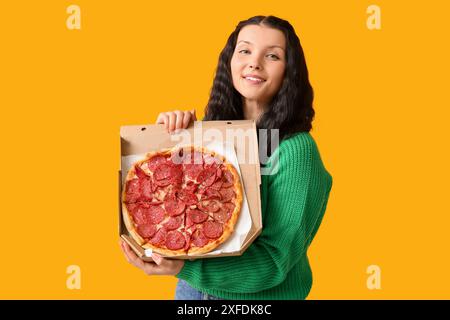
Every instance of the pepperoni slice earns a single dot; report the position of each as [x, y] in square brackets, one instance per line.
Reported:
[219, 173]
[159, 237]
[145, 213]
[201, 189]
[198, 238]
[175, 240]
[189, 223]
[227, 179]
[208, 182]
[139, 172]
[187, 197]
[229, 207]
[212, 194]
[173, 223]
[192, 170]
[132, 191]
[224, 214]
[216, 185]
[146, 189]
[227, 194]
[132, 197]
[162, 183]
[131, 207]
[139, 215]
[212, 229]
[132, 186]
[190, 187]
[146, 230]
[196, 216]
[154, 162]
[209, 205]
[210, 160]
[176, 174]
[155, 214]
[163, 171]
[173, 205]
[207, 176]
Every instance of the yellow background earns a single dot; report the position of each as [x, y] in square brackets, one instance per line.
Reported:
[382, 112]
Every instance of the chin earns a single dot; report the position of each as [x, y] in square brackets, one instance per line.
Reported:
[251, 95]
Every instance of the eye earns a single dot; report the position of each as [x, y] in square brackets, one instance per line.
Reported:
[273, 56]
[244, 51]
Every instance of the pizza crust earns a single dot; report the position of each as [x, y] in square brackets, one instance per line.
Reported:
[164, 251]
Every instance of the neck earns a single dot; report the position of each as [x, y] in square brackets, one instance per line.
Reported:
[253, 109]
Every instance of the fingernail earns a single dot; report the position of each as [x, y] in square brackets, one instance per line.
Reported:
[156, 257]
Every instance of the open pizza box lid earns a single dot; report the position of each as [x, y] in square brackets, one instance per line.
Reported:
[240, 134]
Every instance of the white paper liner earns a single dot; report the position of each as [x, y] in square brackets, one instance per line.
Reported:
[235, 242]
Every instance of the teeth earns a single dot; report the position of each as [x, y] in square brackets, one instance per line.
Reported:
[254, 79]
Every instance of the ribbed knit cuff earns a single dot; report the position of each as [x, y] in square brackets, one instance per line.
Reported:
[186, 271]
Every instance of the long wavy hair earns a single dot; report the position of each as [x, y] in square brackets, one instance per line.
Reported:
[290, 110]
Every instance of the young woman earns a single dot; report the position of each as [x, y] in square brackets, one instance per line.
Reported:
[262, 76]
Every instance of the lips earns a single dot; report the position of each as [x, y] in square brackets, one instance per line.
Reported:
[253, 78]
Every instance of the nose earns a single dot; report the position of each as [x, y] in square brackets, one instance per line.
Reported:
[255, 63]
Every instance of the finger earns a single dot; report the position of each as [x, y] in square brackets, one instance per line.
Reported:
[166, 121]
[194, 116]
[162, 118]
[151, 269]
[122, 247]
[179, 121]
[186, 119]
[158, 269]
[134, 259]
[172, 121]
[126, 250]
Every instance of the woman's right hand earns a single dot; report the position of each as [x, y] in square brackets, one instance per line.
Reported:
[174, 120]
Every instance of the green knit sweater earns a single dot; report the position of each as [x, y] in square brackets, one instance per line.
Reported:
[275, 265]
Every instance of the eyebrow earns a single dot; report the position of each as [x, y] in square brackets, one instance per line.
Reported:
[274, 46]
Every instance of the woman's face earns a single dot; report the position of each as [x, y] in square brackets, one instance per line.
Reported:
[258, 63]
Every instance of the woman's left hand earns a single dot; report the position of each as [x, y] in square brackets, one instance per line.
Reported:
[161, 266]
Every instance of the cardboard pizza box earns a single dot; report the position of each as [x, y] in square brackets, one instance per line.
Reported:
[140, 139]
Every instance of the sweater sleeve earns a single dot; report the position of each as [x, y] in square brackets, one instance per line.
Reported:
[287, 225]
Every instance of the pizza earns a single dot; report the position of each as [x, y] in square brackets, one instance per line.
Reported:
[182, 200]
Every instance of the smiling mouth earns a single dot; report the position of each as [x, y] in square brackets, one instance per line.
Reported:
[254, 80]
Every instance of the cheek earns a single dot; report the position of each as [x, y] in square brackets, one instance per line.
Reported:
[236, 71]
[278, 76]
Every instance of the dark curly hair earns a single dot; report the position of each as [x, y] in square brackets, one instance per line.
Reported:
[290, 110]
